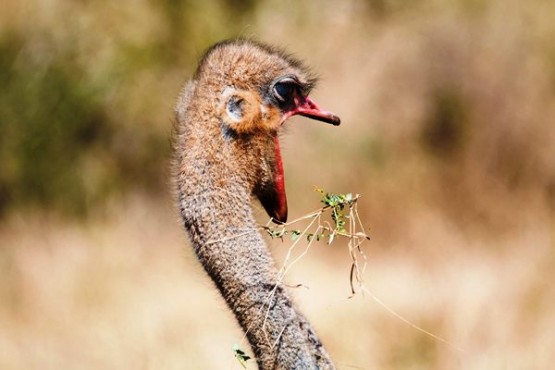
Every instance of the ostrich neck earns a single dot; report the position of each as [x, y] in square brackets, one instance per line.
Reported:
[218, 217]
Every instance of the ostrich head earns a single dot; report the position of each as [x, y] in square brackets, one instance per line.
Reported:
[251, 89]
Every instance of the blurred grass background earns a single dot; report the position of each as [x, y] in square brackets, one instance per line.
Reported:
[448, 111]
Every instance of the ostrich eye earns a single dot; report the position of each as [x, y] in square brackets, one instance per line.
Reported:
[283, 91]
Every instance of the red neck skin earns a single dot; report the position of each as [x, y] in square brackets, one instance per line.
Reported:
[279, 183]
[275, 201]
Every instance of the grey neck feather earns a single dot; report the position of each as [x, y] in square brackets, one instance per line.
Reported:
[237, 260]
[228, 243]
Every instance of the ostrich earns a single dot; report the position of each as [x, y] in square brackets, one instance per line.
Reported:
[226, 150]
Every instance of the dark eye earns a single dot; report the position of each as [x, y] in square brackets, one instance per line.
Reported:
[283, 91]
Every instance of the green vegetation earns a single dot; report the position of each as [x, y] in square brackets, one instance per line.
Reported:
[78, 119]
[241, 356]
[441, 101]
[342, 211]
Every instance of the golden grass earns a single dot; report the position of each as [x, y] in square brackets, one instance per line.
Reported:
[126, 292]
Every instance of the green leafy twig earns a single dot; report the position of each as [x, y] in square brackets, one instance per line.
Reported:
[338, 218]
[241, 356]
[345, 223]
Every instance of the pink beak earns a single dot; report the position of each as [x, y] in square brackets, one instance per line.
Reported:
[306, 107]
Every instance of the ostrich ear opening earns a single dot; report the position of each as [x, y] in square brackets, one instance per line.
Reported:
[241, 110]
[234, 108]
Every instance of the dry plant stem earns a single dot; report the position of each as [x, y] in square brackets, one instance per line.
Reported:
[354, 246]
[282, 272]
[410, 323]
[354, 236]
[356, 239]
